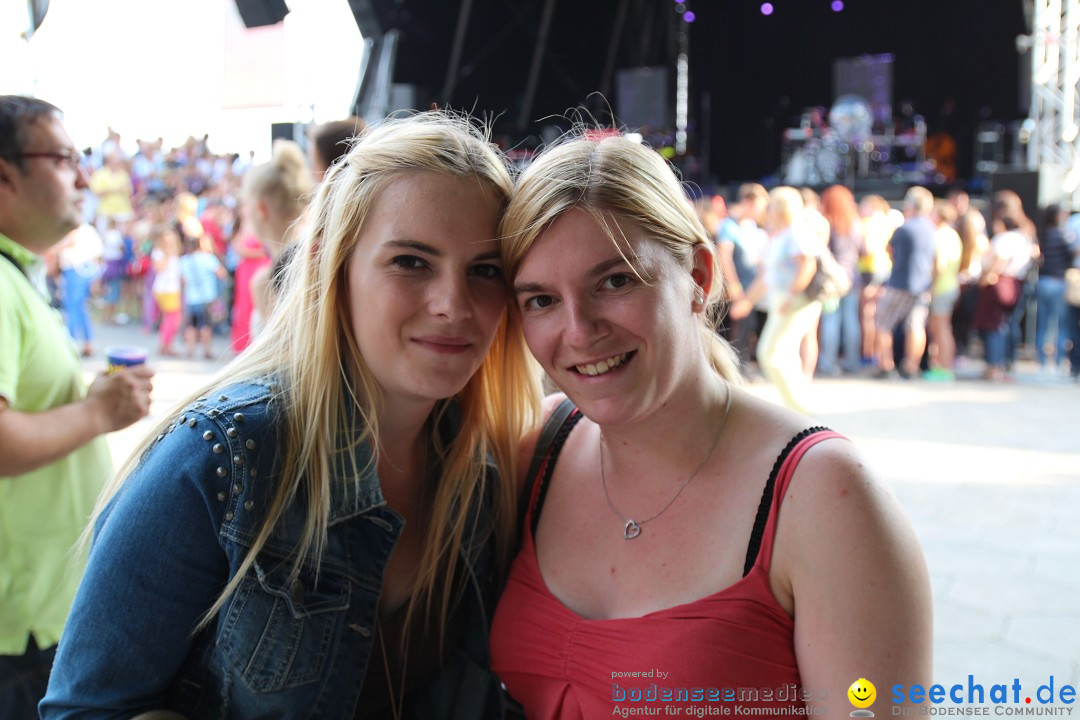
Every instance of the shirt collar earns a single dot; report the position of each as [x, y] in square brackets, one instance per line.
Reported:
[355, 486]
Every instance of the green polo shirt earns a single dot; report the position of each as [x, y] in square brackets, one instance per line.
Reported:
[42, 512]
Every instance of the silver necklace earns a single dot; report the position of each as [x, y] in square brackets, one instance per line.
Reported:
[632, 527]
[396, 704]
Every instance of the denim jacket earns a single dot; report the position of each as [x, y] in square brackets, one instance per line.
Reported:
[178, 531]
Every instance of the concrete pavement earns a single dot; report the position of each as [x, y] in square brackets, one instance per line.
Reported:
[988, 474]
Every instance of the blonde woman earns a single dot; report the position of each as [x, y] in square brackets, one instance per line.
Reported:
[971, 227]
[1004, 269]
[275, 197]
[790, 263]
[879, 222]
[316, 534]
[944, 293]
[655, 554]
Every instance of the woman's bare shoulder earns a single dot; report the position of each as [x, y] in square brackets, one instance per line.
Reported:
[848, 565]
[837, 514]
[761, 429]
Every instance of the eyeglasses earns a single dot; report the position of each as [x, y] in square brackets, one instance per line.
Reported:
[71, 159]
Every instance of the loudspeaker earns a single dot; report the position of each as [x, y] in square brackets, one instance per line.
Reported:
[297, 132]
[871, 78]
[641, 97]
[260, 13]
[1024, 183]
[1036, 189]
[404, 96]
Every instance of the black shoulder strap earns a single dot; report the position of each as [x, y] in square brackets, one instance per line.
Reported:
[548, 434]
[766, 497]
[15, 262]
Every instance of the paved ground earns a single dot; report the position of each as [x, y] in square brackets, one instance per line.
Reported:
[989, 475]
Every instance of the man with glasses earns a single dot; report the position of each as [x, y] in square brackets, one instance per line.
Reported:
[53, 456]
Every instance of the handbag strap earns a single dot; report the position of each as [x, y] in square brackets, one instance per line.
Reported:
[15, 262]
[762, 518]
[37, 291]
[547, 437]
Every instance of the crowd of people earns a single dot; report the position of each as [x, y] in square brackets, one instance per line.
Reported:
[927, 289]
[182, 242]
[910, 308]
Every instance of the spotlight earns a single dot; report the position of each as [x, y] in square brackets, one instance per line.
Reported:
[766, 8]
[680, 8]
[689, 16]
[837, 5]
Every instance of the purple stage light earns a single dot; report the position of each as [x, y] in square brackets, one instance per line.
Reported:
[766, 8]
[837, 5]
[689, 16]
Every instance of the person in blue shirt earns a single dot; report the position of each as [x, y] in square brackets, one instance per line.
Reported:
[740, 243]
[906, 296]
[200, 271]
[1057, 249]
[319, 533]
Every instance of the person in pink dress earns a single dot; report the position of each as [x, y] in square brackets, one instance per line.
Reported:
[168, 285]
[275, 198]
[252, 257]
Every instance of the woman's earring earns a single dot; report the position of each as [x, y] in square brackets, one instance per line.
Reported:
[699, 299]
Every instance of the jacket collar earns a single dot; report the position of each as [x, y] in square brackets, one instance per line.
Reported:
[354, 482]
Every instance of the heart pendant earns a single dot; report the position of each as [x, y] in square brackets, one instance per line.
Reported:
[631, 530]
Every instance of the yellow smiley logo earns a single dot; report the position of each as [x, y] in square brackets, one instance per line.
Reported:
[862, 693]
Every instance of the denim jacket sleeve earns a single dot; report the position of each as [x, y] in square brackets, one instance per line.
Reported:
[155, 567]
[282, 647]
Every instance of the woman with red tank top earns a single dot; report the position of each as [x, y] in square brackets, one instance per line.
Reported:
[664, 570]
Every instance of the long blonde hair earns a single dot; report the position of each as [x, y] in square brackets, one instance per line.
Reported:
[328, 399]
[631, 181]
[284, 184]
[785, 209]
[283, 181]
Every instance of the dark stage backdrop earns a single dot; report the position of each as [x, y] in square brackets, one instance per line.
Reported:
[759, 72]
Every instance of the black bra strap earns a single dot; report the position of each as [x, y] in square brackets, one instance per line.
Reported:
[766, 497]
[552, 456]
[543, 444]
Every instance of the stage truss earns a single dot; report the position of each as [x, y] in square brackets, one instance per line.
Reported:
[1055, 100]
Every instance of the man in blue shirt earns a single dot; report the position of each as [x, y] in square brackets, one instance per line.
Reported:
[740, 243]
[906, 295]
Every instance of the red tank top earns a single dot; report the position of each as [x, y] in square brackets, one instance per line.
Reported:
[732, 648]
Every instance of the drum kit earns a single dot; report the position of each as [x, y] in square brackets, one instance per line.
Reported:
[846, 148]
[816, 162]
